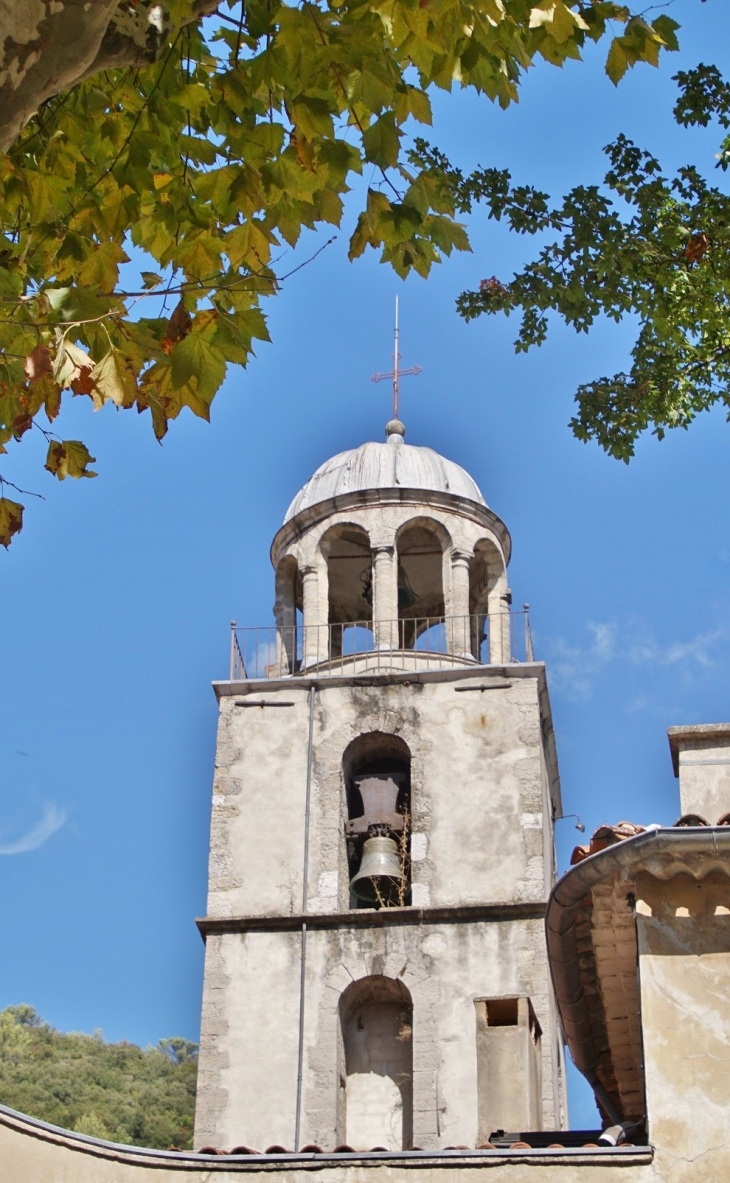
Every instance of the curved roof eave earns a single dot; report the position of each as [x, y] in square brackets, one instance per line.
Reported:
[310, 515]
[661, 852]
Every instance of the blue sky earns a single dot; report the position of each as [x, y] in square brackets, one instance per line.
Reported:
[118, 594]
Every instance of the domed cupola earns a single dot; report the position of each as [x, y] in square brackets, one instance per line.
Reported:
[391, 465]
[387, 556]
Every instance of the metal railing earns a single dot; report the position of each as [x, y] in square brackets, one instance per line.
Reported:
[366, 646]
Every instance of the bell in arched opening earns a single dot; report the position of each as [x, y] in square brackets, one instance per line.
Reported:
[380, 879]
[406, 595]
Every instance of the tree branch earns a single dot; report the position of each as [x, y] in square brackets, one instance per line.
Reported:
[49, 46]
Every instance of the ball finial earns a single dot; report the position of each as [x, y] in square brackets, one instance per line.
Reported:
[394, 428]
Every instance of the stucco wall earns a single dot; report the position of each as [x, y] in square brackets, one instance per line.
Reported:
[704, 779]
[33, 1153]
[684, 949]
[445, 966]
[478, 799]
[481, 805]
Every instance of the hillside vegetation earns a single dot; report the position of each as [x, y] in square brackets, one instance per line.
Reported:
[139, 1096]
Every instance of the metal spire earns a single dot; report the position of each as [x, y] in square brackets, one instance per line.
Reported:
[396, 373]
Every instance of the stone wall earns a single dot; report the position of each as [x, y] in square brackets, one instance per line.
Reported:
[480, 793]
[444, 967]
[483, 787]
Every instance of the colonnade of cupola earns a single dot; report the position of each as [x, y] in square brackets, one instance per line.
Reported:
[402, 572]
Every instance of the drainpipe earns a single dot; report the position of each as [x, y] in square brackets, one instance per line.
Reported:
[305, 893]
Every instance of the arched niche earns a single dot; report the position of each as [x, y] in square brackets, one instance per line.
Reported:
[378, 754]
[421, 544]
[376, 1018]
[345, 548]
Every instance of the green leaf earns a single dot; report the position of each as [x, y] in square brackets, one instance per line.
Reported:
[414, 102]
[201, 259]
[381, 141]
[11, 520]
[69, 458]
[312, 116]
[77, 303]
[667, 30]
[101, 268]
[195, 358]
[617, 61]
[151, 279]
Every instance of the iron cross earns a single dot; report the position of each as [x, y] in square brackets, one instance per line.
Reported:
[396, 373]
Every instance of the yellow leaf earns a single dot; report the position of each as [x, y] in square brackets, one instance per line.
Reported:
[115, 379]
[72, 365]
[11, 520]
[69, 458]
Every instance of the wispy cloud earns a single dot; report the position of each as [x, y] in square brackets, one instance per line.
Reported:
[52, 820]
[604, 641]
[575, 667]
[701, 650]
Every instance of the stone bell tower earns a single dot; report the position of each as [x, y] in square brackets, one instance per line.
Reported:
[381, 837]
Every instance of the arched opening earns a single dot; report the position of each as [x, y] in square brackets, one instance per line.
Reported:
[489, 613]
[377, 776]
[421, 609]
[287, 613]
[346, 548]
[376, 1016]
[482, 576]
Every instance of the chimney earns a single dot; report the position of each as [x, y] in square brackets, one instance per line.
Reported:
[701, 759]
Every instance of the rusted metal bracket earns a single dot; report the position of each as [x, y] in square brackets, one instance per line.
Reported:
[379, 794]
[261, 702]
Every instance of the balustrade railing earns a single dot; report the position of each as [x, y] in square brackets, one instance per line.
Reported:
[366, 646]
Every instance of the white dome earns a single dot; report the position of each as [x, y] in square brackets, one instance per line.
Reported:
[391, 465]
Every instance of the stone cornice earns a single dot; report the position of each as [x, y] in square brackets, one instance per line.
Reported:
[695, 736]
[374, 918]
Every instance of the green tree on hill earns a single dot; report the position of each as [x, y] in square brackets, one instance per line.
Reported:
[117, 1091]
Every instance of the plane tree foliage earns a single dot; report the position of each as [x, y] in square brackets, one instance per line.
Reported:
[117, 1091]
[645, 244]
[209, 143]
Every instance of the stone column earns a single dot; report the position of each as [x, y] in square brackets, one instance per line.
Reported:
[385, 597]
[458, 632]
[315, 639]
[500, 644]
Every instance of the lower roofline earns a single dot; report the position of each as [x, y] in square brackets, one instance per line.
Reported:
[212, 1165]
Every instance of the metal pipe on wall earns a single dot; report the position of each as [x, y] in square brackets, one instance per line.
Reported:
[305, 892]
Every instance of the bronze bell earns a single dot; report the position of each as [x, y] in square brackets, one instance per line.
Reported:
[380, 872]
[406, 595]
